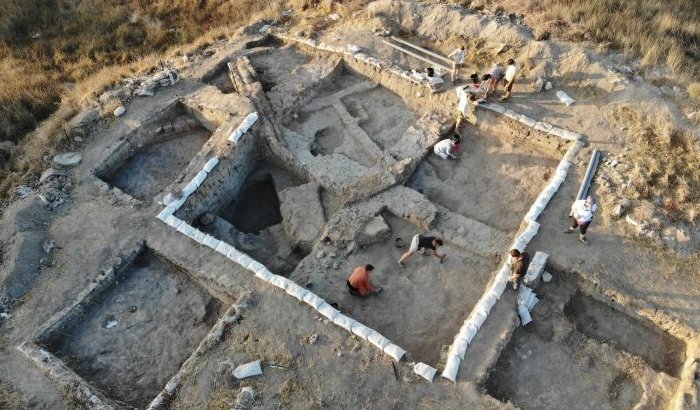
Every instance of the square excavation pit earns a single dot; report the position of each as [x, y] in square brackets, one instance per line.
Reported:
[577, 348]
[494, 182]
[131, 339]
[280, 67]
[154, 157]
[221, 80]
[265, 215]
[421, 305]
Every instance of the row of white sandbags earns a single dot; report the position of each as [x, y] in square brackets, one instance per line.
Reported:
[476, 319]
[245, 125]
[531, 122]
[173, 204]
[552, 187]
[290, 287]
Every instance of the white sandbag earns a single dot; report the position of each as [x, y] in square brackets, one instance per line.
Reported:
[543, 126]
[540, 258]
[488, 301]
[166, 212]
[234, 254]
[210, 241]
[199, 178]
[504, 272]
[533, 213]
[244, 260]
[344, 321]
[512, 114]
[223, 248]
[280, 282]
[264, 274]
[524, 119]
[377, 339]
[557, 132]
[173, 221]
[328, 311]
[451, 368]
[119, 111]
[494, 107]
[563, 167]
[524, 314]
[394, 351]
[497, 288]
[199, 236]
[186, 229]
[189, 189]
[361, 330]
[424, 371]
[353, 48]
[467, 332]
[209, 166]
[518, 244]
[255, 266]
[477, 319]
[531, 302]
[530, 231]
[313, 300]
[296, 291]
[564, 97]
[459, 348]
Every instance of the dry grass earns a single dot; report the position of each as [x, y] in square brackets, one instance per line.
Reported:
[656, 31]
[694, 91]
[666, 165]
[10, 398]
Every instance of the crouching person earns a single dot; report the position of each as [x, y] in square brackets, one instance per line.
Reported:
[448, 148]
[359, 283]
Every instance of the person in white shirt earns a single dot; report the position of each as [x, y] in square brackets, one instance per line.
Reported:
[457, 61]
[448, 148]
[581, 215]
[510, 78]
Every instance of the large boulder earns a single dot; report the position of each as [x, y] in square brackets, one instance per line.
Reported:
[303, 216]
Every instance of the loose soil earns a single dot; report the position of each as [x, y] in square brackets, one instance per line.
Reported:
[421, 306]
[490, 171]
[599, 321]
[160, 315]
[157, 164]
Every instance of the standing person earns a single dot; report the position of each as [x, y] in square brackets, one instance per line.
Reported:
[448, 148]
[497, 73]
[422, 243]
[518, 266]
[581, 215]
[511, 70]
[457, 61]
[359, 283]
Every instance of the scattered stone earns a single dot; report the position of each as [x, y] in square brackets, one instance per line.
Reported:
[23, 191]
[48, 246]
[548, 86]
[351, 248]
[111, 324]
[336, 265]
[50, 174]
[320, 254]
[119, 111]
[69, 159]
[247, 370]
[539, 84]
[77, 139]
[334, 17]
[5, 316]
[313, 338]
[207, 219]
[546, 277]
[244, 399]
[133, 309]
[617, 211]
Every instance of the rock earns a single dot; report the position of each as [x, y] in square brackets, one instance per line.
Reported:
[539, 84]
[320, 254]
[313, 338]
[119, 111]
[351, 248]
[69, 159]
[617, 211]
[546, 277]
[303, 216]
[77, 139]
[48, 246]
[49, 174]
[248, 370]
[376, 230]
[207, 219]
[336, 265]
[244, 399]
[548, 86]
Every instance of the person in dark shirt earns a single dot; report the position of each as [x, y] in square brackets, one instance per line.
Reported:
[518, 266]
[421, 243]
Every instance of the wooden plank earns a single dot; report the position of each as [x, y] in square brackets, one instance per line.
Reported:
[412, 54]
[436, 55]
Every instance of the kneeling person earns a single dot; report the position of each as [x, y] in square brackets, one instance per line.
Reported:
[359, 283]
[422, 243]
[448, 148]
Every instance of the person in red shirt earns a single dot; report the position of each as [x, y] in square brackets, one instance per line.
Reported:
[359, 283]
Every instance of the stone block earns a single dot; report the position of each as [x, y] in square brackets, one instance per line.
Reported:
[303, 216]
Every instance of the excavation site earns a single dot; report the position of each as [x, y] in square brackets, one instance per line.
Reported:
[334, 218]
